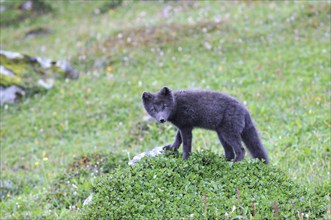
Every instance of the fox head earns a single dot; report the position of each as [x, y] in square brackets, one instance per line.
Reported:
[159, 105]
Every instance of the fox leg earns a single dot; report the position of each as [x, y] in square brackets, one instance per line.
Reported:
[176, 144]
[187, 142]
[229, 154]
[234, 140]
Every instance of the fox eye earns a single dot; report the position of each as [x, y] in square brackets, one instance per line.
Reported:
[165, 106]
[152, 109]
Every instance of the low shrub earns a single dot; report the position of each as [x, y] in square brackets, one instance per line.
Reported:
[204, 186]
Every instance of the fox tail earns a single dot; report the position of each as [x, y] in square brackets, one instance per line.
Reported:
[252, 140]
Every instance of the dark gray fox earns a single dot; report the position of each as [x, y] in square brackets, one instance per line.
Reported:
[211, 110]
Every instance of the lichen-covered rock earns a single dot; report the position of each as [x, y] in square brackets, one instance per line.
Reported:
[30, 74]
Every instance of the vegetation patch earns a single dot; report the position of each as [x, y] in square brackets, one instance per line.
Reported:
[205, 186]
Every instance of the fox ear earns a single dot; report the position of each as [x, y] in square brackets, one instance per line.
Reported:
[165, 91]
[146, 96]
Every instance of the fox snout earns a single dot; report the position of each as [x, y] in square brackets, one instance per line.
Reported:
[161, 117]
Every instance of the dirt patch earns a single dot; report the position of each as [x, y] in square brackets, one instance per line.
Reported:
[98, 163]
[158, 35]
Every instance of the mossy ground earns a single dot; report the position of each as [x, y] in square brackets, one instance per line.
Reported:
[273, 56]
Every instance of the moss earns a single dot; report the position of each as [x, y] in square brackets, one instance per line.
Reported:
[6, 80]
[55, 71]
[18, 66]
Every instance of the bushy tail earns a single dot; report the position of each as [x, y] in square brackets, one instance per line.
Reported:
[252, 140]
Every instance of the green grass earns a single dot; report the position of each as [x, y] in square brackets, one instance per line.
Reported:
[274, 57]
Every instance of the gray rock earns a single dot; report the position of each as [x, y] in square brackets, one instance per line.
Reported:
[2, 8]
[152, 153]
[69, 70]
[5, 71]
[11, 55]
[26, 6]
[10, 94]
[88, 200]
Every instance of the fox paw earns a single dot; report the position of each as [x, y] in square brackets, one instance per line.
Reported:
[229, 156]
[168, 147]
[240, 155]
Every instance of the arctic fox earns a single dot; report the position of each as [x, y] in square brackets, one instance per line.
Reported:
[211, 110]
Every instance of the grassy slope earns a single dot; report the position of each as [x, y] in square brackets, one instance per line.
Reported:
[275, 57]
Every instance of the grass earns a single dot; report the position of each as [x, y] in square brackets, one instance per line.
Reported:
[274, 57]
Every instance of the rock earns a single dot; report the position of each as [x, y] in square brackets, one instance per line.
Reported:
[152, 153]
[47, 84]
[69, 71]
[22, 74]
[26, 6]
[39, 6]
[2, 8]
[88, 200]
[11, 55]
[5, 71]
[10, 94]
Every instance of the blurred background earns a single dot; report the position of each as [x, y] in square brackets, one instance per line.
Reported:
[272, 56]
